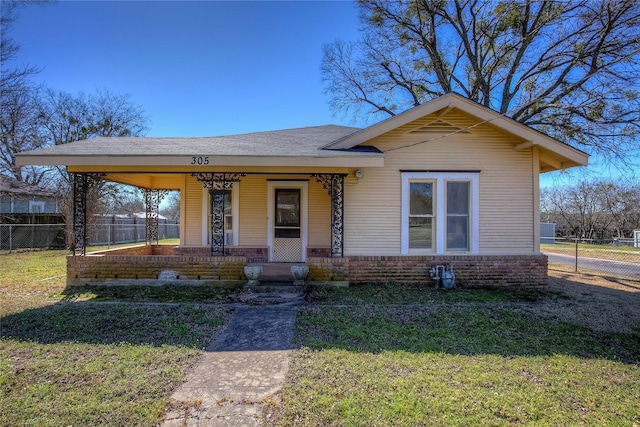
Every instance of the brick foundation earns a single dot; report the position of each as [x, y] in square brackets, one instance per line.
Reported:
[470, 271]
[253, 255]
[315, 252]
[323, 269]
[141, 262]
[148, 262]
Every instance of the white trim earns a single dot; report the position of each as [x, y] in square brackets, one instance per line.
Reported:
[322, 160]
[304, 208]
[440, 179]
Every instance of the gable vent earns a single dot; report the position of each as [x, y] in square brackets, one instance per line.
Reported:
[437, 127]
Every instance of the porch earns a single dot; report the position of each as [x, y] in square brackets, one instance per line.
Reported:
[304, 212]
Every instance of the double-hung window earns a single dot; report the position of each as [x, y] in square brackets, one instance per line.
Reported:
[440, 212]
[421, 215]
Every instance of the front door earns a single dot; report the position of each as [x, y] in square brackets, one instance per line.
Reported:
[288, 221]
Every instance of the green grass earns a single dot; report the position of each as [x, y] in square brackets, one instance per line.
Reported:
[68, 363]
[472, 357]
[346, 388]
[164, 293]
[391, 294]
[25, 268]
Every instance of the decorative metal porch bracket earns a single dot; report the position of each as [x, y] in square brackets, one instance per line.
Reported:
[334, 185]
[152, 199]
[82, 183]
[217, 183]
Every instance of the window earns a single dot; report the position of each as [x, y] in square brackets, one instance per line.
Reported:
[440, 212]
[36, 207]
[457, 215]
[230, 215]
[421, 215]
[287, 214]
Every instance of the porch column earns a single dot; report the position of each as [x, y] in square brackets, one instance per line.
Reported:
[152, 199]
[217, 184]
[82, 183]
[334, 184]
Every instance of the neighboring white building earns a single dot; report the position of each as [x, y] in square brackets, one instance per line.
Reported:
[547, 232]
[17, 197]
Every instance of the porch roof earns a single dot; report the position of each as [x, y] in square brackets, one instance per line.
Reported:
[271, 148]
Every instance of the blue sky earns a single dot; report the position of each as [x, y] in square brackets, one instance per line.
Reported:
[198, 68]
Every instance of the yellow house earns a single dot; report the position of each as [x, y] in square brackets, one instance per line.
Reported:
[447, 183]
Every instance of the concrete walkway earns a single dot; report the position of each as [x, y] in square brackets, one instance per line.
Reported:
[245, 366]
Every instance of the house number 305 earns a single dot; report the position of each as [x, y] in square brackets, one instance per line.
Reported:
[200, 160]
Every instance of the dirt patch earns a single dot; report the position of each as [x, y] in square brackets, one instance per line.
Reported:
[602, 303]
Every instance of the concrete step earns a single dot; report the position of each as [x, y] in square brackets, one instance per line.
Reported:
[277, 272]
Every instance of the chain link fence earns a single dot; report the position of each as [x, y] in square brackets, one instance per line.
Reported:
[29, 236]
[114, 231]
[128, 230]
[616, 257]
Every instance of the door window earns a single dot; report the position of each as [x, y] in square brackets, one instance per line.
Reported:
[287, 215]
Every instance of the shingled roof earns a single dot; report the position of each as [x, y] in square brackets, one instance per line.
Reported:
[12, 185]
[289, 142]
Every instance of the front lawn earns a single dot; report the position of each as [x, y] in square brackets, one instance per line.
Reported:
[84, 363]
[461, 358]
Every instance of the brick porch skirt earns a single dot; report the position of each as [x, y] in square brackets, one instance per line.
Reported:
[470, 271]
[150, 263]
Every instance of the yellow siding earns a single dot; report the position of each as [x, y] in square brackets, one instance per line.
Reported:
[253, 211]
[253, 194]
[192, 215]
[319, 215]
[507, 208]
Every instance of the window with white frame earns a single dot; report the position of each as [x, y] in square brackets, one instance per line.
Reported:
[36, 207]
[440, 212]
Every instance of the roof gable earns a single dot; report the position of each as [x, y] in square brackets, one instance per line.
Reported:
[558, 155]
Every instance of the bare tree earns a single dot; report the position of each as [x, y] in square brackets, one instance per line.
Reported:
[12, 78]
[172, 208]
[65, 118]
[569, 69]
[19, 131]
[18, 100]
[593, 209]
